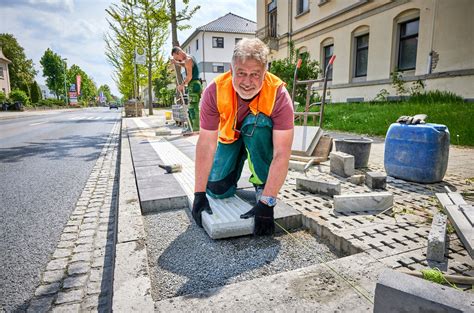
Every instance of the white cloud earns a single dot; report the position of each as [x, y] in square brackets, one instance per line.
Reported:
[75, 29]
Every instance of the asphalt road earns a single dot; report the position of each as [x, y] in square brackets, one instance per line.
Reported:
[45, 162]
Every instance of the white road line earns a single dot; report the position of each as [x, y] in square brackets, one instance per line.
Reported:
[34, 124]
[98, 117]
[90, 118]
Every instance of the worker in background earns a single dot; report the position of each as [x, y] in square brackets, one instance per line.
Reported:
[192, 82]
[246, 113]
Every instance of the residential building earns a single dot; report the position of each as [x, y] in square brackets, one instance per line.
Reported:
[46, 93]
[212, 44]
[428, 40]
[4, 73]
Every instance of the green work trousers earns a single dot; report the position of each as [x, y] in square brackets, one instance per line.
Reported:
[194, 93]
[255, 144]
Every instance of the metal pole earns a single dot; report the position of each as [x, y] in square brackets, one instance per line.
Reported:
[65, 89]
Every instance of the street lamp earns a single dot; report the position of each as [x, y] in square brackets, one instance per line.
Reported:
[65, 89]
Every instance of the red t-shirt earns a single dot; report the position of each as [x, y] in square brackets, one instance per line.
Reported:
[282, 114]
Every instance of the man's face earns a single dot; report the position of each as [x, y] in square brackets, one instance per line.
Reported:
[179, 56]
[247, 77]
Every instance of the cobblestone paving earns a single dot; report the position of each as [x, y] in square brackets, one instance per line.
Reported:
[398, 237]
[79, 276]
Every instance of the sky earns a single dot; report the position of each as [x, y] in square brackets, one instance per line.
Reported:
[75, 29]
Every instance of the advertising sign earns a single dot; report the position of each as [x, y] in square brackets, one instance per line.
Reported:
[72, 95]
[78, 83]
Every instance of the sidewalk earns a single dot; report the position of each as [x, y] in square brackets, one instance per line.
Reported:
[396, 239]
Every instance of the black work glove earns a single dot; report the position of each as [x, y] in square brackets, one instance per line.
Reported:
[200, 204]
[264, 221]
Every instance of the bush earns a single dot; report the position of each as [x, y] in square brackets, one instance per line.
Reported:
[3, 97]
[51, 103]
[19, 96]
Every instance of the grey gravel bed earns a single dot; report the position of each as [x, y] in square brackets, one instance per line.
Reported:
[184, 260]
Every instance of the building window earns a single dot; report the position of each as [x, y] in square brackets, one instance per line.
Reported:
[218, 42]
[328, 51]
[361, 55]
[302, 6]
[237, 40]
[217, 68]
[407, 45]
[1, 72]
[272, 19]
[197, 44]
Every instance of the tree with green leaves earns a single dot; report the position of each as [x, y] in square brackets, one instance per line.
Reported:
[140, 23]
[22, 71]
[162, 79]
[54, 69]
[285, 69]
[105, 89]
[88, 87]
[36, 94]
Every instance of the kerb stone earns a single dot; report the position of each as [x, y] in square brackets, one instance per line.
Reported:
[341, 164]
[374, 201]
[437, 238]
[329, 188]
[398, 292]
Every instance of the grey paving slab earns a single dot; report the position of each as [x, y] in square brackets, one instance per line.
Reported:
[166, 197]
[329, 188]
[305, 139]
[312, 289]
[374, 201]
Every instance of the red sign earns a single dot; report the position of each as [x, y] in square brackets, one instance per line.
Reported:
[78, 84]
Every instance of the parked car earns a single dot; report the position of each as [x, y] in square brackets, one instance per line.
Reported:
[113, 106]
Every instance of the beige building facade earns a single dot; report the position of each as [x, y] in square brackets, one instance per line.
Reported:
[428, 40]
[4, 74]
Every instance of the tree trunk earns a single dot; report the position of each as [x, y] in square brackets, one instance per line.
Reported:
[174, 28]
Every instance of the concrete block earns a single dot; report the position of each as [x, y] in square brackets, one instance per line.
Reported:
[437, 238]
[296, 165]
[397, 292]
[357, 179]
[375, 180]
[329, 188]
[342, 164]
[156, 199]
[374, 201]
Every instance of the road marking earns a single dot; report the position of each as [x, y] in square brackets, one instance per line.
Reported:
[34, 124]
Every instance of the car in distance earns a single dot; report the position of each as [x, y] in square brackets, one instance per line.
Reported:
[113, 106]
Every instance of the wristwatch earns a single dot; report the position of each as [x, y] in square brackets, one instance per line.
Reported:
[270, 201]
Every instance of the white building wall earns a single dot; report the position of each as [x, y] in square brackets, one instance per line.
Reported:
[206, 55]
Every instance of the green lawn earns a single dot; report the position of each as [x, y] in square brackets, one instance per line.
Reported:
[375, 118]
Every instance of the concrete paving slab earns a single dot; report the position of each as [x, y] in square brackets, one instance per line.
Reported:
[373, 201]
[397, 292]
[320, 186]
[312, 289]
[305, 139]
[158, 199]
[225, 221]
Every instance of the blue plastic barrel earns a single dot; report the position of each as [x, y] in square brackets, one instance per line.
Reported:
[417, 153]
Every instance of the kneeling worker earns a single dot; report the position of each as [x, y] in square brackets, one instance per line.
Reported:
[191, 80]
[245, 113]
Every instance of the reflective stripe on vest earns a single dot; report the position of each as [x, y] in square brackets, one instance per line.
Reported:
[227, 102]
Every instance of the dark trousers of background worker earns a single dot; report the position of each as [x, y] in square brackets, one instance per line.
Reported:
[255, 145]
[194, 92]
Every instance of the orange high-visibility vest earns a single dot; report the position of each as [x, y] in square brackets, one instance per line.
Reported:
[227, 102]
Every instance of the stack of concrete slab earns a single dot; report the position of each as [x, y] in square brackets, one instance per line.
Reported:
[305, 139]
